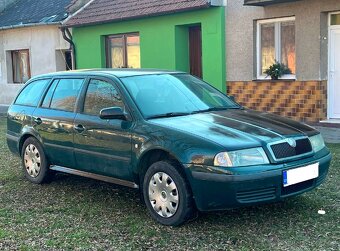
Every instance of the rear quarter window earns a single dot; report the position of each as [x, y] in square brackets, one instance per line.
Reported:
[32, 93]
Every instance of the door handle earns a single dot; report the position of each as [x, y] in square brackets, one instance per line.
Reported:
[79, 128]
[38, 121]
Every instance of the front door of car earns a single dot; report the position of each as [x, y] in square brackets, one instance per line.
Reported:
[102, 146]
[54, 118]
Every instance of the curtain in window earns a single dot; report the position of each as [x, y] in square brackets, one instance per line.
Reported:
[267, 46]
[133, 51]
[288, 45]
[20, 65]
[117, 52]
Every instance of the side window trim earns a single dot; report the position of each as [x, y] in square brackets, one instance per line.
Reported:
[46, 91]
[82, 95]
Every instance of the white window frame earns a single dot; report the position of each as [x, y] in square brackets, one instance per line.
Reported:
[330, 17]
[277, 22]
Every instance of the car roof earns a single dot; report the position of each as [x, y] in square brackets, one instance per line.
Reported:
[119, 73]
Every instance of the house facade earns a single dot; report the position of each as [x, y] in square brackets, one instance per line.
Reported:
[177, 35]
[31, 43]
[305, 36]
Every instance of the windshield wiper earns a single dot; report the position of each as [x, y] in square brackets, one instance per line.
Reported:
[211, 109]
[168, 115]
[221, 108]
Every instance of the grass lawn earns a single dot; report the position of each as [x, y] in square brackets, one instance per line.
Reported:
[78, 213]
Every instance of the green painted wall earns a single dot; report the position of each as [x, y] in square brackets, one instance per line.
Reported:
[163, 42]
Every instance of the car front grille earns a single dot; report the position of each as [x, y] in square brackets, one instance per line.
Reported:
[285, 150]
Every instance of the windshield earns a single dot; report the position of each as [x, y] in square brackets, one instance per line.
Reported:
[168, 95]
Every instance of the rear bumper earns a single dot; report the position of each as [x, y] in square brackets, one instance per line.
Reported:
[218, 191]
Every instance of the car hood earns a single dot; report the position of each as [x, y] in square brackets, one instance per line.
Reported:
[236, 127]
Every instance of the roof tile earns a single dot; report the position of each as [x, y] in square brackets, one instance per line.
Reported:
[101, 11]
[26, 12]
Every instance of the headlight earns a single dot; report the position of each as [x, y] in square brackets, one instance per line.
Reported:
[317, 142]
[247, 157]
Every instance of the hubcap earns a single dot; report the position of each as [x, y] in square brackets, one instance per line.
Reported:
[163, 195]
[32, 161]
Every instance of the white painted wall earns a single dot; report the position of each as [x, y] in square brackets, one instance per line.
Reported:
[42, 41]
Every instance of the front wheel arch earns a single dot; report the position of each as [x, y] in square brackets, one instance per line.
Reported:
[152, 156]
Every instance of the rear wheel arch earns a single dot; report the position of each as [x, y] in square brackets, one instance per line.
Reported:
[24, 138]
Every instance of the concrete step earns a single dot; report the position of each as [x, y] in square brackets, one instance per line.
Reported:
[330, 134]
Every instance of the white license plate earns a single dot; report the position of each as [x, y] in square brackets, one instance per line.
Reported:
[297, 175]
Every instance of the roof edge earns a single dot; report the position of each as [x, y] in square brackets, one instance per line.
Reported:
[9, 27]
[206, 6]
[76, 13]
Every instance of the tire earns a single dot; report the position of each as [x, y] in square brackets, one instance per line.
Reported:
[34, 162]
[169, 203]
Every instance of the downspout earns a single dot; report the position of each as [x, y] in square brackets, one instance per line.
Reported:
[68, 37]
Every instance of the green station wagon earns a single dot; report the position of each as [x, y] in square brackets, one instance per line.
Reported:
[184, 144]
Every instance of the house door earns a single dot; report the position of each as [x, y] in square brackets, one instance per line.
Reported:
[334, 73]
[195, 51]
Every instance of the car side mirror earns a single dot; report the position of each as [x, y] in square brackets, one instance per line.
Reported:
[113, 113]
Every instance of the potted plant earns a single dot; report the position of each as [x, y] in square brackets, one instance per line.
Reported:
[276, 70]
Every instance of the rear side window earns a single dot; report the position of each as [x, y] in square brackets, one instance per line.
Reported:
[31, 94]
[65, 94]
[100, 95]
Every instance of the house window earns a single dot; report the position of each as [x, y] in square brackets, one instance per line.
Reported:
[21, 66]
[335, 19]
[276, 42]
[123, 51]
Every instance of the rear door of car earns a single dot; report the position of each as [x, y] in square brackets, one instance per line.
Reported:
[102, 146]
[54, 119]
[20, 113]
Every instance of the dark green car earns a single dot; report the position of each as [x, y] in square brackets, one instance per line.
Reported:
[184, 144]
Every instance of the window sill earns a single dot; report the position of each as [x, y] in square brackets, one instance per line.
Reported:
[275, 81]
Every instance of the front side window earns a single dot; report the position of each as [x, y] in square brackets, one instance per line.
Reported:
[123, 51]
[276, 43]
[65, 94]
[175, 94]
[101, 94]
[31, 94]
[21, 66]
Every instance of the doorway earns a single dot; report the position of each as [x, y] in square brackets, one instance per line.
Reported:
[195, 51]
[334, 67]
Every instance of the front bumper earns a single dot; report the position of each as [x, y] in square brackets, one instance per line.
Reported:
[215, 190]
